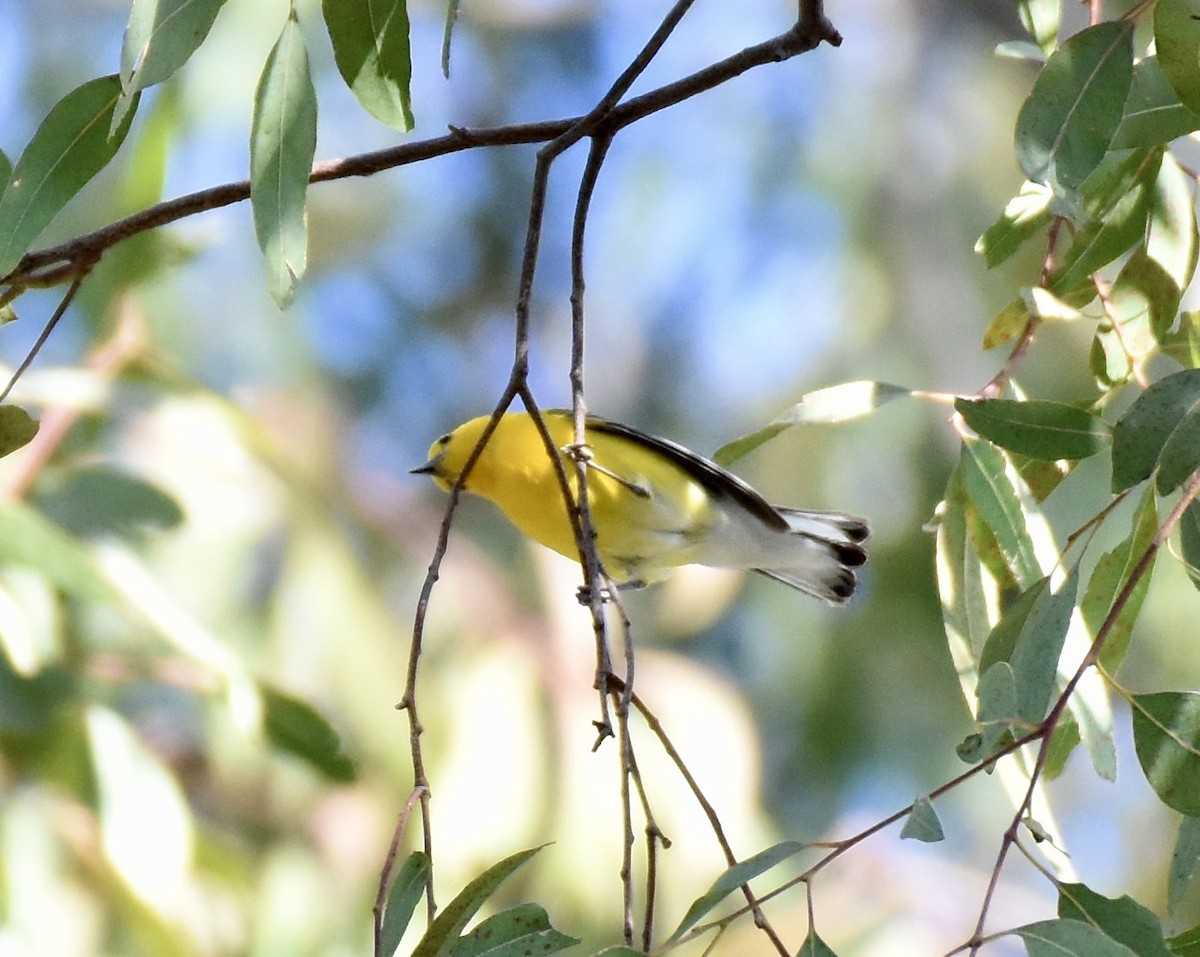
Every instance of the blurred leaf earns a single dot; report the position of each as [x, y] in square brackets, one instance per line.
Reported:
[160, 37]
[516, 932]
[1183, 343]
[145, 823]
[1176, 39]
[990, 489]
[1043, 304]
[30, 540]
[1109, 576]
[1043, 430]
[813, 946]
[733, 878]
[1069, 938]
[442, 935]
[283, 140]
[1040, 476]
[837, 403]
[17, 428]
[1154, 114]
[371, 48]
[1025, 214]
[1189, 540]
[407, 887]
[1184, 857]
[620, 952]
[298, 729]
[101, 500]
[5, 170]
[1042, 19]
[1007, 324]
[1163, 423]
[1063, 742]
[1066, 125]
[1166, 735]
[1021, 50]
[1124, 919]
[28, 703]
[922, 823]
[70, 147]
[1171, 239]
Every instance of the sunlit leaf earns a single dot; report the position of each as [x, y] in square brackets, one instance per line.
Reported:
[1183, 342]
[733, 878]
[1123, 919]
[1069, 938]
[17, 428]
[1186, 944]
[1025, 214]
[442, 935]
[283, 140]
[1043, 304]
[371, 49]
[1043, 430]
[1007, 324]
[989, 487]
[1177, 40]
[160, 37]
[1166, 735]
[1066, 125]
[837, 403]
[1162, 425]
[70, 147]
[922, 823]
[407, 887]
[1042, 18]
[516, 932]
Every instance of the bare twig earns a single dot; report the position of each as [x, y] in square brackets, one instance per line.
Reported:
[418, 793]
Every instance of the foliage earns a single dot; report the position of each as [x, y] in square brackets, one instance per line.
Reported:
[1038, 619]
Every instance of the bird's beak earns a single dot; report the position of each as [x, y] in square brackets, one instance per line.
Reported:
[429, 468]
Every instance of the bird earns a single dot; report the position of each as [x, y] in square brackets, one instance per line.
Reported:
[655, 505]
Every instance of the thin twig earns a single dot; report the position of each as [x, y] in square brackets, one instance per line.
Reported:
[385, 874]
[77, 279]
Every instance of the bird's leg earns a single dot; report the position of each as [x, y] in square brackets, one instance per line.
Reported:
[587, 455]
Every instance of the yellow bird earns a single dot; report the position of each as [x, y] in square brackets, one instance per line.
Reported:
[655, 505]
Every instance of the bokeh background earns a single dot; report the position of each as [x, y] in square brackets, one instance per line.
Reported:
[808, 223]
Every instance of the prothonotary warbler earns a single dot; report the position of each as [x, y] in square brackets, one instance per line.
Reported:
[655, 505]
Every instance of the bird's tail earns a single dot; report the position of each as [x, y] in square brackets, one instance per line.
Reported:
[825, 566]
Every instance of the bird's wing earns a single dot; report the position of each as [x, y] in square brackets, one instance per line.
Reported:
[711, 476]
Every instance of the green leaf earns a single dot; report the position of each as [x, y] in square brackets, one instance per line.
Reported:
[1124, 919]
[813, 946]
[1042, 18]
[70, 147]
[1041, 430]
[1186, 944]
[17, 428]
[516, 932]
[1109, 576]
[1184, 857]
[1025, 214]
[1154, 114]
[5, 171]
[28, 539]
[922, 823]
[297, 728]
[1177, 40]
[160, 37]
[1066, 125]
[407, 887]
[1108, 237]
[443, 934]
[837, 403]
[1166, 735]
[283, 140]
[989, 487]
[1007, 324]
[448, 34]
[100, 500]
[370, 46]
[1189, 540]
[1165, 417]
[1171, 239]
[995, 713]
[1183, 342]
[732, 879]
[1069, 938]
